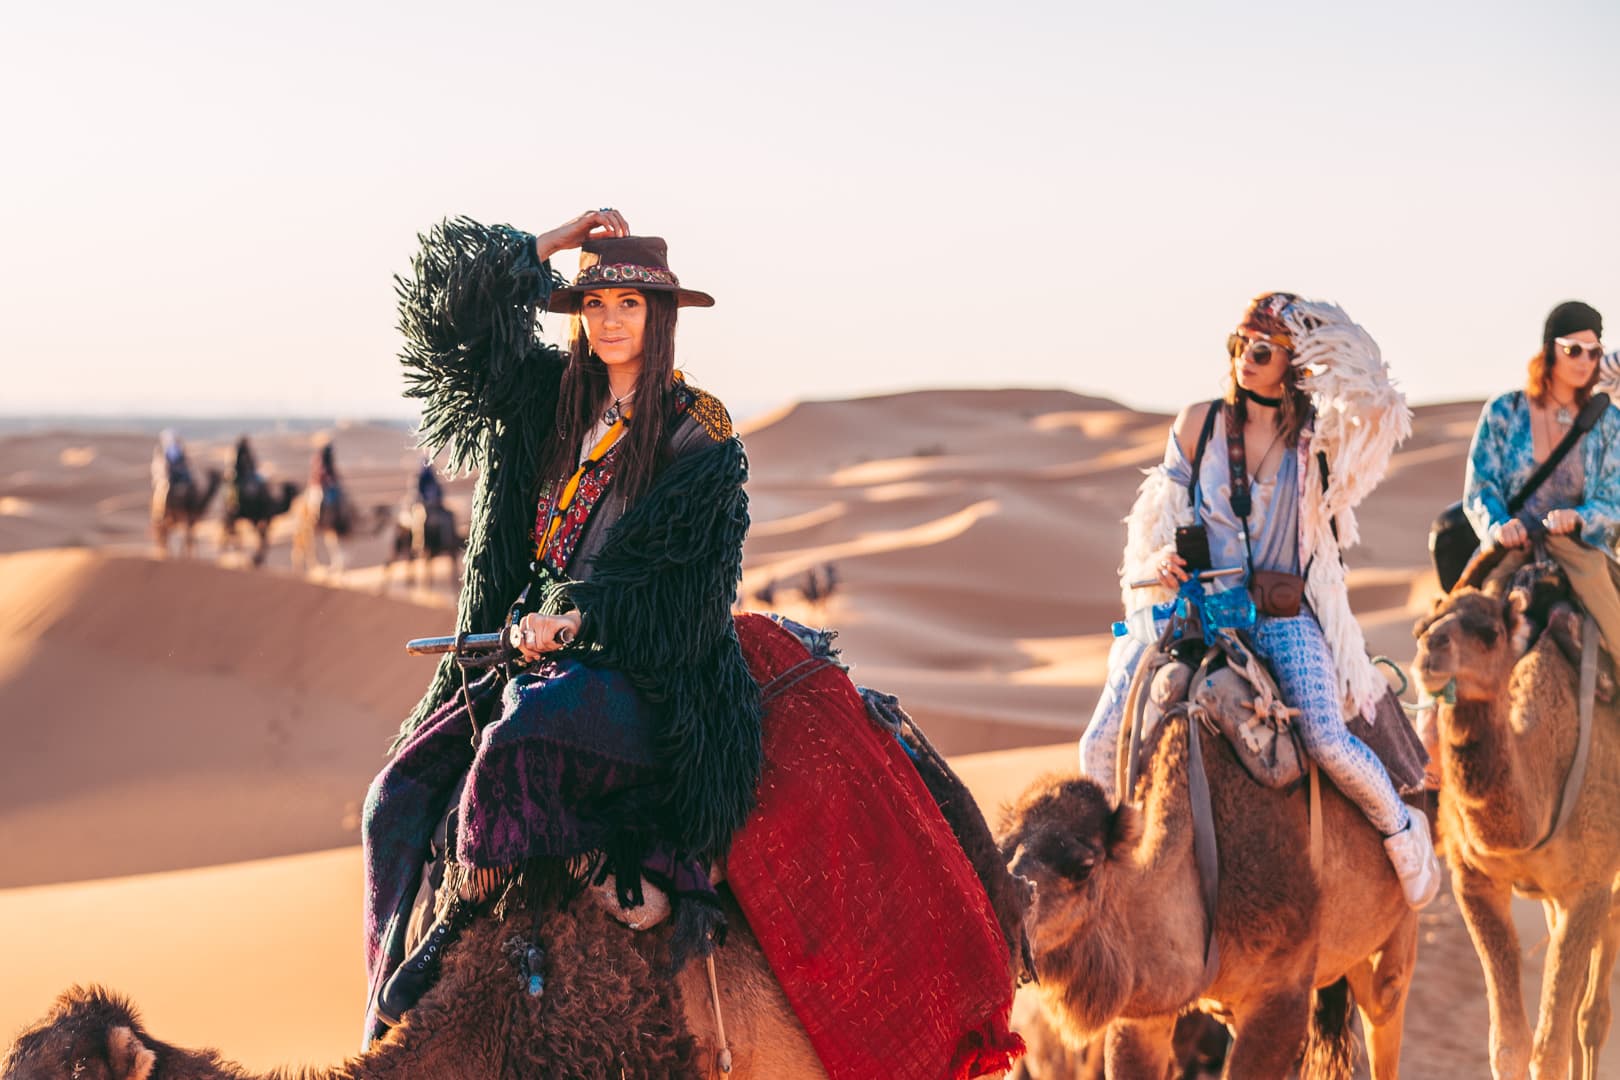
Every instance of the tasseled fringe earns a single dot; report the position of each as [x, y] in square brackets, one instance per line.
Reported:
[489, 390]
[474, 883]
[989, 1050]
[700, 928]
[675, 559]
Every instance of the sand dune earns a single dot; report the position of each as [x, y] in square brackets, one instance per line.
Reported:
[214, 715]
[203, 735]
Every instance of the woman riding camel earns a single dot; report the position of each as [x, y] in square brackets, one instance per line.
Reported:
[606, 540]
[1285, 353]
[1519, 429]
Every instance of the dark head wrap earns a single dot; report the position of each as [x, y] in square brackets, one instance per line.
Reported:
[1570, 317]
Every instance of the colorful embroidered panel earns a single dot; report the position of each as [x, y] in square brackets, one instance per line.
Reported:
[596, 477]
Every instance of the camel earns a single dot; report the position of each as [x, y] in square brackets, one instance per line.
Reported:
[422, 533]
[318, 522]
[605, 1009]
[181, 506]
[1118, 924]
[256, 505]
[1506, 744]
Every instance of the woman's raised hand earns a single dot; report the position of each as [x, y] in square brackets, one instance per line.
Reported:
[574, 232]
[1170, 568]
[536, 635]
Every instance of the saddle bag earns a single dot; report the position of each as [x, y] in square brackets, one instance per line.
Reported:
[1233, 694]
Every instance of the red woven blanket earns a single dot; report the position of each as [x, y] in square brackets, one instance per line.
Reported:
[868, 911]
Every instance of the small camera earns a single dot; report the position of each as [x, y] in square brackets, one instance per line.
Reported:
[1192, 544]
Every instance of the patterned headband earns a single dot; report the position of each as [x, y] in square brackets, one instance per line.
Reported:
[1264, 318]
[622, 274]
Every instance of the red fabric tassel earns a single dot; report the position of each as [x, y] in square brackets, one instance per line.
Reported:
[866, 908]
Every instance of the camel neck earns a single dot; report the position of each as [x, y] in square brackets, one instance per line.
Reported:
[1480, 762]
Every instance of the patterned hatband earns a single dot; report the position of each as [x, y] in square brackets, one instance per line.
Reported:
[615, 273]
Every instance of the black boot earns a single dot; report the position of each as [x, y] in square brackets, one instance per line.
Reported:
[418, 972]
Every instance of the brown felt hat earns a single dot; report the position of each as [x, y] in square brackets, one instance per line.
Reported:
[625, 262]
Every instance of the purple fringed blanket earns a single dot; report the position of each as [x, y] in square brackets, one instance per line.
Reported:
[565, 768]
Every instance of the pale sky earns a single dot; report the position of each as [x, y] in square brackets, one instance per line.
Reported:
[205, 203]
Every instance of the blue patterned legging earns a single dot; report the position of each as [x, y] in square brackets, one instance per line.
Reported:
[1299, 656]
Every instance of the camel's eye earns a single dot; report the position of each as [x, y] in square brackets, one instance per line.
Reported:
[1069, 858]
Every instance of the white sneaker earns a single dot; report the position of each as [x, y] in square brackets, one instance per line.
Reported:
[1412, 854]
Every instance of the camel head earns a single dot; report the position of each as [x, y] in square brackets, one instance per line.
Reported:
[88, 1035]
[1470, 637]
[1062, 835]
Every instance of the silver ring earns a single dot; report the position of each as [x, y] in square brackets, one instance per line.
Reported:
[605, 210]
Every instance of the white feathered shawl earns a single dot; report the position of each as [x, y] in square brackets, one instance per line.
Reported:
[1360, 417]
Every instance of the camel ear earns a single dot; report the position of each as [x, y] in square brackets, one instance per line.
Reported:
[128, 1056]
[1124, 830]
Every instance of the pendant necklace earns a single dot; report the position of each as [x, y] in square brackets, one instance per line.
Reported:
[1564, 416]
[615, 411]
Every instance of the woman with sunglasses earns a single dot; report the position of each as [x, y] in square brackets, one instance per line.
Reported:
[1519, 429]
[619, 734]
[1284, 351]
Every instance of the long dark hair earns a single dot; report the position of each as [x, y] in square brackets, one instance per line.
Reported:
[1295, 409]
[584, 394]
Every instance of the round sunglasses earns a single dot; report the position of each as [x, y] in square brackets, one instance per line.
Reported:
[1260, 351]
[1572, 348]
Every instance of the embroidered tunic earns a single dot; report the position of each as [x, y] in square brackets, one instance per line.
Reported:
[1502, 457]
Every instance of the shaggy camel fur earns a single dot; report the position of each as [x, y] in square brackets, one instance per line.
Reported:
[181, 507]
[1118, 923]
[1505, 747]
[605, 1011]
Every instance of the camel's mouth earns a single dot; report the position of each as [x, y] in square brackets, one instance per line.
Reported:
[1432, 677]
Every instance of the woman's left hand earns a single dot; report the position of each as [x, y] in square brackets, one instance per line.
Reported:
[1562, 522]
[536, 635]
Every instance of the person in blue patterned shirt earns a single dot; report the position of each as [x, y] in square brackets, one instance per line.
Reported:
[1518, 429]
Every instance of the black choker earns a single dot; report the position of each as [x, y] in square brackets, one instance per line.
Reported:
[1259, 399]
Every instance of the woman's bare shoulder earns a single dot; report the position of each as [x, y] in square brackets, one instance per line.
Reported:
[1189, 422]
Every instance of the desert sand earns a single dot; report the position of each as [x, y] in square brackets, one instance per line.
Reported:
[188, 741]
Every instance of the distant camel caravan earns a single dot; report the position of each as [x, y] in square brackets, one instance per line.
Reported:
[1119, 930]
[180, 504]
[1508, 719]
[606, 1009]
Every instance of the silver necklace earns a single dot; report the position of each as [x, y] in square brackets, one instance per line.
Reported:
[1254, 476]
[1563, 416]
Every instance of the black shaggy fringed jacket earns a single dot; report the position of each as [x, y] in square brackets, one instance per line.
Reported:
[657, 602]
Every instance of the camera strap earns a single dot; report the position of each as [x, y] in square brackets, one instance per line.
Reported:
[1237, 464]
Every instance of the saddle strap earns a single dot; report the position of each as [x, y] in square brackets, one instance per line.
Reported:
[1583, 739]
[1318, 854]
[1128, 766]
[1205, 852]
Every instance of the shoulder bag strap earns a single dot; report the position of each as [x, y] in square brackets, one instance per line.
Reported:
[1588, 418]
[1198, 453]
